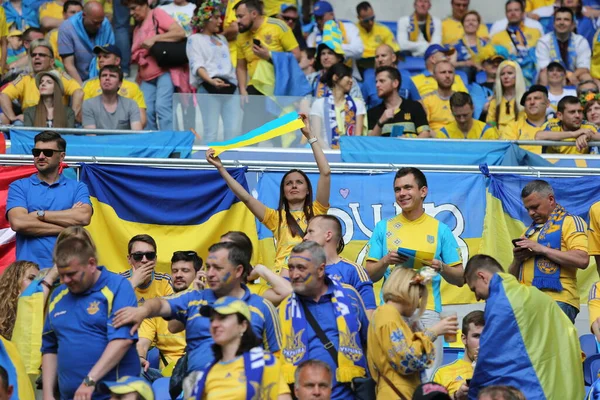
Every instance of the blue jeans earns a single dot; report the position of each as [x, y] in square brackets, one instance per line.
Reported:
[120, 24]
[569, 310]
[158, 94]
[215, 107]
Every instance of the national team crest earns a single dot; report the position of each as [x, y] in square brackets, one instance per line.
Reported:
[407, 116]
[93, 308]
[349, 347]
[268, 39]
[294, 350]
[430, 239]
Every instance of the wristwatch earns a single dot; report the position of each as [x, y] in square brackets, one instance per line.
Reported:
[41, 214]
[379, 124]
[88, 381]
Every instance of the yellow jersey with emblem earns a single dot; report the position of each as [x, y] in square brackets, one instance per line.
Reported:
[380, 34]
[555, 125]
[227, 380]
[438, 111]
[229, 19]
[594, 303]
[504, 115]
[130, 90]
[594, 230]
[170, 345]
[51, 9]
[159, 286]
[26, 92]
[453, 375]
[426, 84]
[522, 129]
[452, 31]
[479, 130]
[274, 34]
[531, 5]
[503, 39]
[573, 237]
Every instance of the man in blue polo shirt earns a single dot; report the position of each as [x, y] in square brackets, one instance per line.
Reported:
[41, 206]
[227, 266]
[326, 230]
[80, 346]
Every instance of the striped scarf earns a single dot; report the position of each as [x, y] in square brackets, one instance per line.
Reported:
[413, 28]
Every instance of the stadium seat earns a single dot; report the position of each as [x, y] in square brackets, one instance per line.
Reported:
[451, 354]
[479, 98]
[591, 366]
[463, 75]
[161, 389]
[412, 64]
[153, 358]
[480, 77]
[588, 344]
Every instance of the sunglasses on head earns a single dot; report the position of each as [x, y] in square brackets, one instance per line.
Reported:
[139, 256]
[47, 152]
[186, 253]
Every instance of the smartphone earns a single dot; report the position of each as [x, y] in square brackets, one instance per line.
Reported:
[256, 42]
[514, 242]
[468, 382]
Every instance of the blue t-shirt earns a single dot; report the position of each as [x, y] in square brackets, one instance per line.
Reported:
[35, 195]
[79, 327]
[185, 307]
[356, 276]
[324, 314]
[407, 89]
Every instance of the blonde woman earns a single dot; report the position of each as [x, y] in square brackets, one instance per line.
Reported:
[509, 87]
[15, 279]
[398, 351]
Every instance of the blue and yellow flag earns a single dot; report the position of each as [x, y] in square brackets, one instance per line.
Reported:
[17, 377]
[180, 209]
[528, 342]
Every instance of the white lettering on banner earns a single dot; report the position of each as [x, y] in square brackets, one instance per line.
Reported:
[430, 208]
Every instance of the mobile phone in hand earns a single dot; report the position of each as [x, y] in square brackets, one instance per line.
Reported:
[256, 42]
[514, 242]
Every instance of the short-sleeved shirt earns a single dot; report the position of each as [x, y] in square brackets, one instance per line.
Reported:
[51, 9]
[502, 115]
[185, 307]
[380, 34]
[26, 92]
[33, 194]
[318, 109]
[573, 237]
[282, 234]
[439, 113]
[453, 31]
[522, 129]
[594, 230]
[426, 83]
[410, 117]
[129, 90]
[159, 286]
[453, 375]
[182, 14]
[503, 39]
[94, 113]
[170, 345]
[345, 271]
[594, 303]
[425, 234]
[555, 125]
[479, 130]
[52, 38]
[273, 33]
[79, 327]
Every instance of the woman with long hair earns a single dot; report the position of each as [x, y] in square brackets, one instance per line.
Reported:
[509, 87]
[398, 350]
[338, 113]
[50, 112]
[289, 221]
[15, 279]
[235, 372]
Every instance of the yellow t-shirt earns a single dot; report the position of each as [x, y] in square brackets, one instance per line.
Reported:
[438, 111]
[3, 25]
[504, 118]
[453, 375]
[452, 31]
[51, 9]
[573, 237]
[171, 345]
[159, 286]
[531, 5]
[107, 5]
[229, 19]
[272, 33]
[522, 129]
[227, 380]
[26, 92]
[281, 233]
[380, 34]
[555, 125]
[503, 39]
[52, 38]
[426, 84]
[258, 289]
[594, 230]
[594, 303]
[595, 66]
[130, 90]
[479, 130]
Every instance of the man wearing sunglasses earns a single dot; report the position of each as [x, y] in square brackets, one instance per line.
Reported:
[373, 34]
[41, 206]
[289, 14]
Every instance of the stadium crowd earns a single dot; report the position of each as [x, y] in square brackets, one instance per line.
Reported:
[310, 326]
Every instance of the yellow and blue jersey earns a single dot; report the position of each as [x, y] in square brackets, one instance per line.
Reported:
[79, 327]
[453, 375]
[479, 130]
[380, 34]
[594, 303]
[185, 307]
[356, 276]
[425, 234]
[555, 125]
[522, 129]
[159, 286]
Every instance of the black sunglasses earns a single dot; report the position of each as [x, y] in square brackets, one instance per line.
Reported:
[47, 152]
[139, 256]
[368, 19]
[290, 19]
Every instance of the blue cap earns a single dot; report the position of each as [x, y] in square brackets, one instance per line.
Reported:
[127, 384]
[321, 8]
[437, 48]
[285, 7]
[108, 49]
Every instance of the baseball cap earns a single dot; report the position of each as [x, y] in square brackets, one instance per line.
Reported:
[436, 48]
[226, 306]
[285, 7]
[108, 49]
[533, 89]
[321, 8]
[556, 63]
[127, 384]
[431, 391]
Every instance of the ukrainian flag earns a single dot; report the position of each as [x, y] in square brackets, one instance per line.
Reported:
[180, 209]
[528, 343]
[29, 325]
[17, 377]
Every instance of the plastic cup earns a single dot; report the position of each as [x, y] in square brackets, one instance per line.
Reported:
[449, 337]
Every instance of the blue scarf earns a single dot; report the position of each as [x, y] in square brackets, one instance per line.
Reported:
[103, 37]
[254, 367]
[546, 274]
[332, 129]
[555, 53]
[519, 41]
[28, 18]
